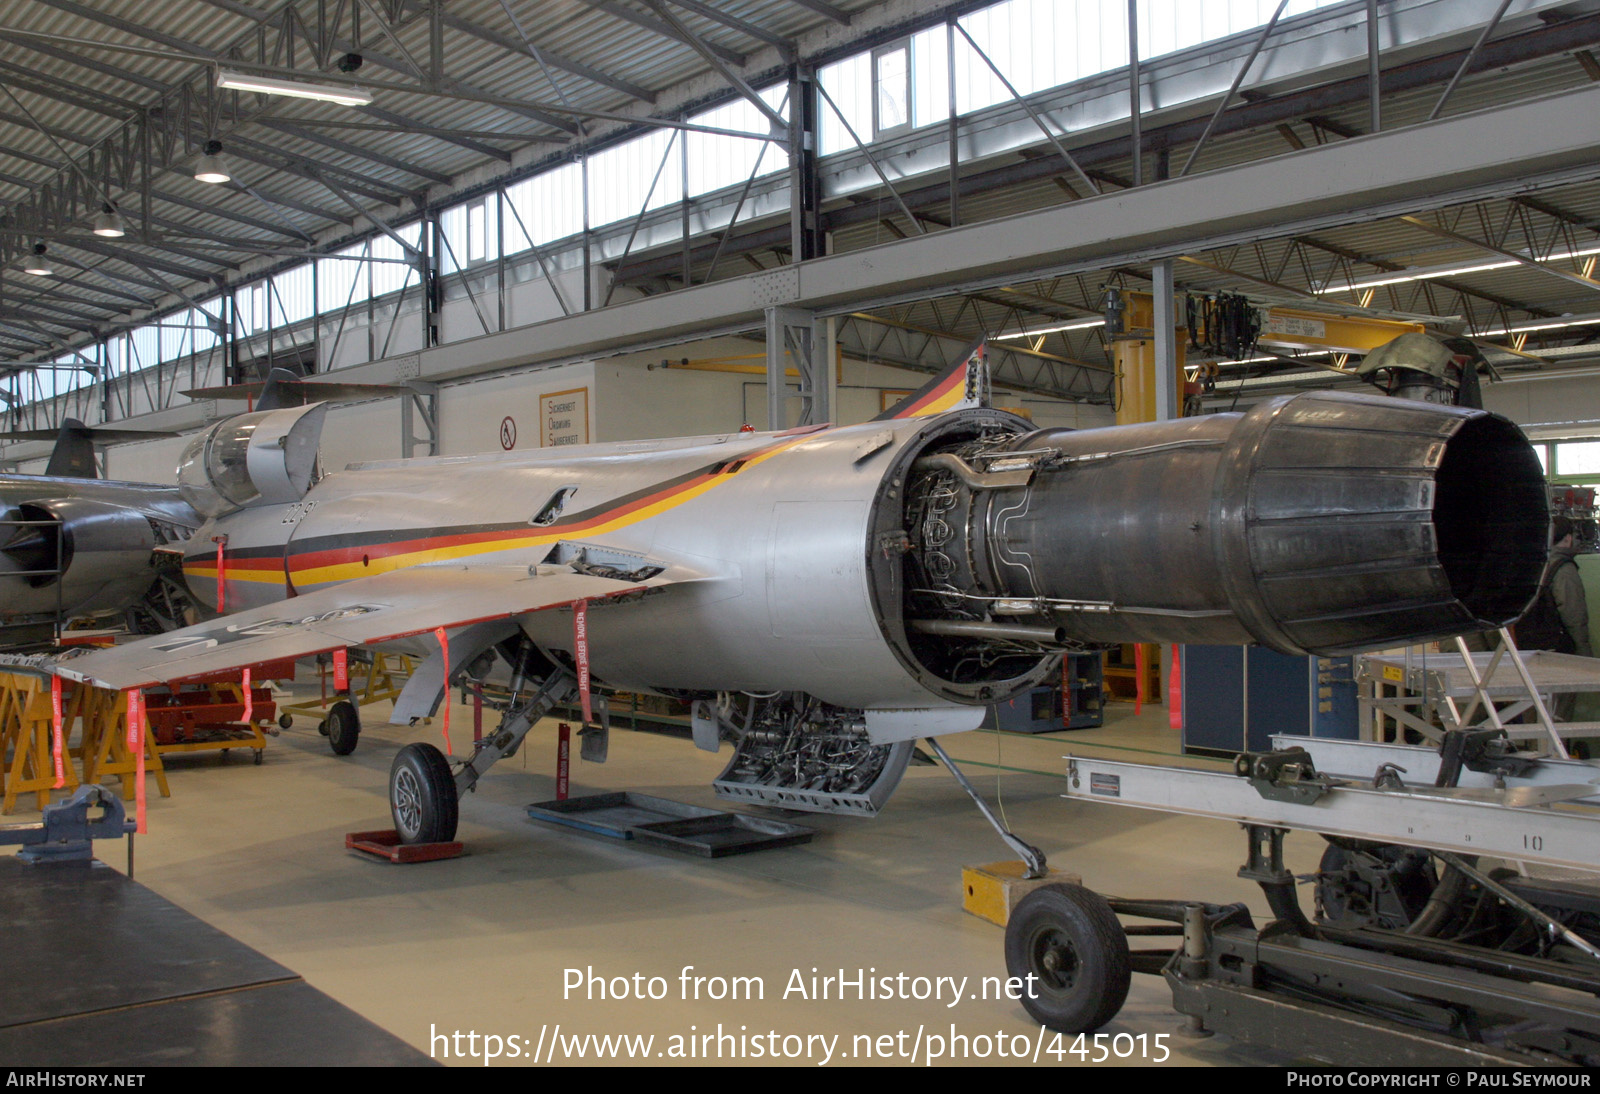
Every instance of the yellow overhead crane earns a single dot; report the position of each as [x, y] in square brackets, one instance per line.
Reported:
[1133, 349]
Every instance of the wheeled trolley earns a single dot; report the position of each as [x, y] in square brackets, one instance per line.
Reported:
[1432, 939]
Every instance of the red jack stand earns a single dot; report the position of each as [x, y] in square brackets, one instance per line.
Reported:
[385, 844]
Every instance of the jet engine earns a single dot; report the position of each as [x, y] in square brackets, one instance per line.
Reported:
[1313, 524]
[83, 555]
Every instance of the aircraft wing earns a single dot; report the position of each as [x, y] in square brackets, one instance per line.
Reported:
[364, 611]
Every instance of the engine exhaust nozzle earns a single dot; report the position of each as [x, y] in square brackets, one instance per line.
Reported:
[1315, 523]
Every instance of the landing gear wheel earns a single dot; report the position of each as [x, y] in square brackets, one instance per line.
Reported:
[286, 721]
[422, 795]
[344, 727]
[1068, 939]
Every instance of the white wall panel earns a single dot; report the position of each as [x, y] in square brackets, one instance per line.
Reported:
[471, 414]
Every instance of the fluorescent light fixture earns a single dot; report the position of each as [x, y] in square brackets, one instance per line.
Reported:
[1571, 254]
[266, 85]
[1420, 275]
[1081, 324]
[1281, 357]
[108, 223]
[1551, 324]
[1424, 275]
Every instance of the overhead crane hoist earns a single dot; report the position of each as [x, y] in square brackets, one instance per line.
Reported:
[1130, 328]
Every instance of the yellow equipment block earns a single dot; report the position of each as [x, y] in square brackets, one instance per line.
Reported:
[992, 891]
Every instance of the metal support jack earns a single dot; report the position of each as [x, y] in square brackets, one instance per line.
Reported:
[1030, 855]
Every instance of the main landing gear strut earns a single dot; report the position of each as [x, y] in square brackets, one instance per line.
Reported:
[424, 791]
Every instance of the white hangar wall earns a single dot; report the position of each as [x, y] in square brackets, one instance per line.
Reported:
[1560, 406]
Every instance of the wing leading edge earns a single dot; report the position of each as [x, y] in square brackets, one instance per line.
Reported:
[365, 611]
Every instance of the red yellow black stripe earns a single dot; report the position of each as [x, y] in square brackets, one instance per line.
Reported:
[344, 557]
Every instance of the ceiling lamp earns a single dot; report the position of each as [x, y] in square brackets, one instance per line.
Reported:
[108, 222]
[37, 264]
[328, 93]
[212, 167]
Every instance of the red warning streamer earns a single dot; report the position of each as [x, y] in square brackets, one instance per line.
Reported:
[222, 579]
[341, 670]
[249, 701]
[580, 653]
[1138, 676]
[1175, 692]
[136, 746]
[444, 651]
[59, 746]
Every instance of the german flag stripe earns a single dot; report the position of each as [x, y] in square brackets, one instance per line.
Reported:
[938, 395]
[343, 557]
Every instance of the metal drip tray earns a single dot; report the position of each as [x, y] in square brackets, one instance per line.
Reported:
[724, 834]
[694, 829]
[617, 815]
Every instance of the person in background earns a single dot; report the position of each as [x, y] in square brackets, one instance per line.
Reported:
[1558, 619]
[1566, 586]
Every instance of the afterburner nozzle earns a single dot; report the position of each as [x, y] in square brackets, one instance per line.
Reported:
[1315, 523]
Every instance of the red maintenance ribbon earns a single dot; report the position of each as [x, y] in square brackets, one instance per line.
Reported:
[222, 580]
[136, 746]
[580, 653]
[249, 701]
[444, 651]
[59, 745]
[1175, 692]
[341, 670]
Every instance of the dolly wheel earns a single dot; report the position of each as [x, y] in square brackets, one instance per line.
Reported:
[422, 795]
[344, 727]
[1068, 939]
[286, 721]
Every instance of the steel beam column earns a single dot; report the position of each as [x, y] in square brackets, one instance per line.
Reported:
[797, 341]
[1166, 342]
[805, 184]
[420, 402]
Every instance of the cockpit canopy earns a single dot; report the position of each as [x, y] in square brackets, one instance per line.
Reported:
[265, 458]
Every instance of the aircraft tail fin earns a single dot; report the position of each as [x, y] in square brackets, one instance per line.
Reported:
[964, 384]
[274, 397]
[73, 455]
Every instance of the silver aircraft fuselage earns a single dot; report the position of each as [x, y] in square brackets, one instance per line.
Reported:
[926, 562]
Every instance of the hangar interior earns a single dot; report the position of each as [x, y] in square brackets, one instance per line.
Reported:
[530, 225]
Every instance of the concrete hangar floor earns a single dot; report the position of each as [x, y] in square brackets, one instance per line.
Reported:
[484, 944]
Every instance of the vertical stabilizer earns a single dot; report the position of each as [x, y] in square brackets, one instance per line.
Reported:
[965, 384]
[73, 455]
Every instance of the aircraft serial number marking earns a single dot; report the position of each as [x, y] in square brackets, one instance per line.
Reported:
[261, 629]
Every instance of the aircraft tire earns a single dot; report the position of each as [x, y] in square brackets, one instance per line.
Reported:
[344, 727]
[1070, 941]
[422, 795]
